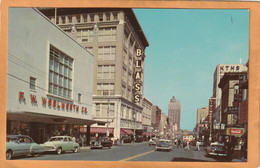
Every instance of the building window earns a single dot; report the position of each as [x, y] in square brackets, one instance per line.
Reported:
[107, 34]
[106, 53]
[85, 18]
[92, 17]
[32, 83]
[70, 19]
[105, 89]
[108, 16]
[106, 72]
[79, 98]
[63, 20]
[60, 73]
[115, 15]
[85, 35]
[78, 18]
[100, 17]
[97, 109]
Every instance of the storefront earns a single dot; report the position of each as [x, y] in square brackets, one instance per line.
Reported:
[50, 78]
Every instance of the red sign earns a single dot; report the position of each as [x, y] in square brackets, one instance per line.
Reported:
[211, 103]
[236, 131]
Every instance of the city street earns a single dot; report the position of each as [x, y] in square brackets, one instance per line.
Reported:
[129, 152]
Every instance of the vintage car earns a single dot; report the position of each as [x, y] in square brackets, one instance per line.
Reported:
[21, 145]
[164, 144]
[100, 143]
[152, 141]
[61, 144]
[216, 149]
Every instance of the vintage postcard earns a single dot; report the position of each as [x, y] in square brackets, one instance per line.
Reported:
[129, 84]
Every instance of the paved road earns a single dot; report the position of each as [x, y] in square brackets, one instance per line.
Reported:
[129, 152]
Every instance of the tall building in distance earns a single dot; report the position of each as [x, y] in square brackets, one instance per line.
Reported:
[174, 112]
[115, 38]
[202, 114]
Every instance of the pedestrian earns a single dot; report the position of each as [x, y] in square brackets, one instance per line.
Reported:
[197, 145]
[187, 146]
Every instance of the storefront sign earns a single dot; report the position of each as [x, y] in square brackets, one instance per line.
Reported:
[211, 103]
[137, 75]
[53, 103]
[235, 131]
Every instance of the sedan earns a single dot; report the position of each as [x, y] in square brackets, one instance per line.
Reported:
[61, 144]
[216, 149]
[102, 142]
[19, 145]
[164, 145]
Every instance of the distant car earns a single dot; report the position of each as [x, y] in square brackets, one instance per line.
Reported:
[164, 144]
[19, 145]
[152, 141]
[61, 144]
[102, 142]
[216, 149]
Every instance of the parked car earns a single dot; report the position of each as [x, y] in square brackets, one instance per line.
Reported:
[152, 141]
[164, 144]
[61, 144]
[216, 149]
[100, 143]
[19, 145]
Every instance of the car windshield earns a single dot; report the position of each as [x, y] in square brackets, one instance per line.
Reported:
[56, 139]
[10, 139]
[163, 143]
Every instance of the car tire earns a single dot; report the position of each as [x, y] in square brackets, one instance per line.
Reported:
[9, 155]
[35, 154]
[59, 151]
[76, 149]
[109, 146]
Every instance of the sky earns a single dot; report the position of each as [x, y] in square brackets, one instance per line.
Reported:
[185, 46]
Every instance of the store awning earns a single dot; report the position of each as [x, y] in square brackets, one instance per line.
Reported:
[101, 130]
[126, 131]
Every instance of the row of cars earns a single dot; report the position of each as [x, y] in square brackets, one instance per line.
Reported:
[19, 145]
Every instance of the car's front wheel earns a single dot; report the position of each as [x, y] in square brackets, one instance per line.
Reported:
[59, 150]
[76, 149]
[35, 154]
[9, 155]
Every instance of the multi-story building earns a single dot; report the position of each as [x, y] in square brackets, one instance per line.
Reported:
[230, 85]
[49, 78]
[220, 70]
[147, 114]
[174, 112]
[115, 38]
[156, 117]
[202, 114]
